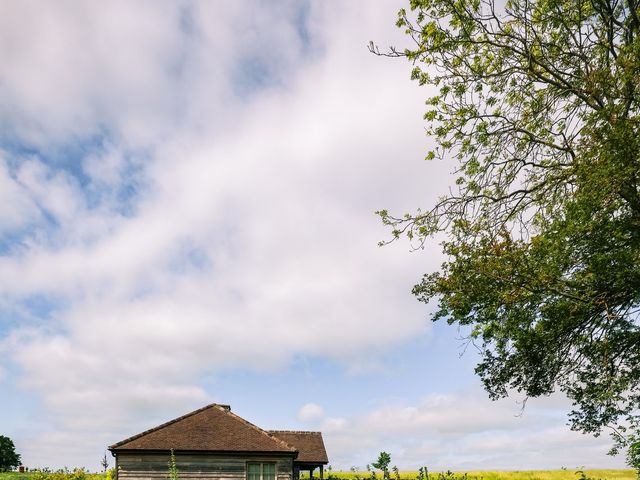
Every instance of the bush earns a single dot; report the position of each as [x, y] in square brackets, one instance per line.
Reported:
[111, 474]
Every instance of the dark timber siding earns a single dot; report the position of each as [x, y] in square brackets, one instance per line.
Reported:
[155, 466]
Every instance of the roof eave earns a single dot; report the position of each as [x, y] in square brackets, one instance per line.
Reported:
[205, 452]
[310, 463]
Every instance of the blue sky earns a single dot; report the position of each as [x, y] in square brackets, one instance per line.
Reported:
[186, 216]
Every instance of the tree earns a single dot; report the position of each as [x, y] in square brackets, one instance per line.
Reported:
[104, 462]
[537, 102]
[383, 464]
[9, 459]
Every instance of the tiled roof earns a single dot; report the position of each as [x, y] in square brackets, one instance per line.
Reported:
[309, 445]
[213, 428]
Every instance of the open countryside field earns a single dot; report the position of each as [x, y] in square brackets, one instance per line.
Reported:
[52, 476]
[554, 475]
[500, 475]
[471, 475]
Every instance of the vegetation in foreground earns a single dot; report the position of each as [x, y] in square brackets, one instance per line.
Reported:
[46, 474]
[79, 474]
[408, 475]
[494, 475]
[380, 469]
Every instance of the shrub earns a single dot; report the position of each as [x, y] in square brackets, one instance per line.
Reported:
[112, 474]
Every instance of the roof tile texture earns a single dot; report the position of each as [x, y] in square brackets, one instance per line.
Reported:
[212, 428]
[309, 444]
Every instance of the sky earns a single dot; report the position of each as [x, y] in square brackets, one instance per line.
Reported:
[187, 198]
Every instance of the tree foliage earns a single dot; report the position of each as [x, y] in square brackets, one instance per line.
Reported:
[382, 463]
[9, 459]
[538, 103]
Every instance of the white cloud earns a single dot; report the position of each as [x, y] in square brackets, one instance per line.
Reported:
[105, 167]
[310, 413]
[141, 71]
[466, 431]
[85, 79]
[17, 208]
[253, 237]
[55, 192]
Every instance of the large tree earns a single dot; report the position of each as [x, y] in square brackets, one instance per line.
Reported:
[537, 102]
[9, 459]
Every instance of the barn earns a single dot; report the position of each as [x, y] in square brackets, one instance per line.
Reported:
[214, 443]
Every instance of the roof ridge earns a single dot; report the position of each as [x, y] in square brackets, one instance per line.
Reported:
[170, 422]
[293, 431]
[264, 432]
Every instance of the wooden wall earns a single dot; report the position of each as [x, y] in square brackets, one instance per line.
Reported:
[153, 466]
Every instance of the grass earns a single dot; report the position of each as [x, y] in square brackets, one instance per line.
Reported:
[499, 475]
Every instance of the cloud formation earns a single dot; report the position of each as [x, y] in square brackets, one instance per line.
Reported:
[187, 188]
[465, 431]
[188, 199]
[310, 412]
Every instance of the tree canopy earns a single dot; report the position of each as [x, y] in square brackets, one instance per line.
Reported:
[537, 104]
[9, 459]
[382, 463]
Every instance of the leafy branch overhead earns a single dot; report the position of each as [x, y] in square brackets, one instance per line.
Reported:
[537, 104]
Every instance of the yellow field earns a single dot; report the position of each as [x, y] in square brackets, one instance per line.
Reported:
[32, 475]
[500, 475]
[555, 475]
[471, 475]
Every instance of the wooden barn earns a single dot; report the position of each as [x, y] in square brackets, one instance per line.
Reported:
[214, 443]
